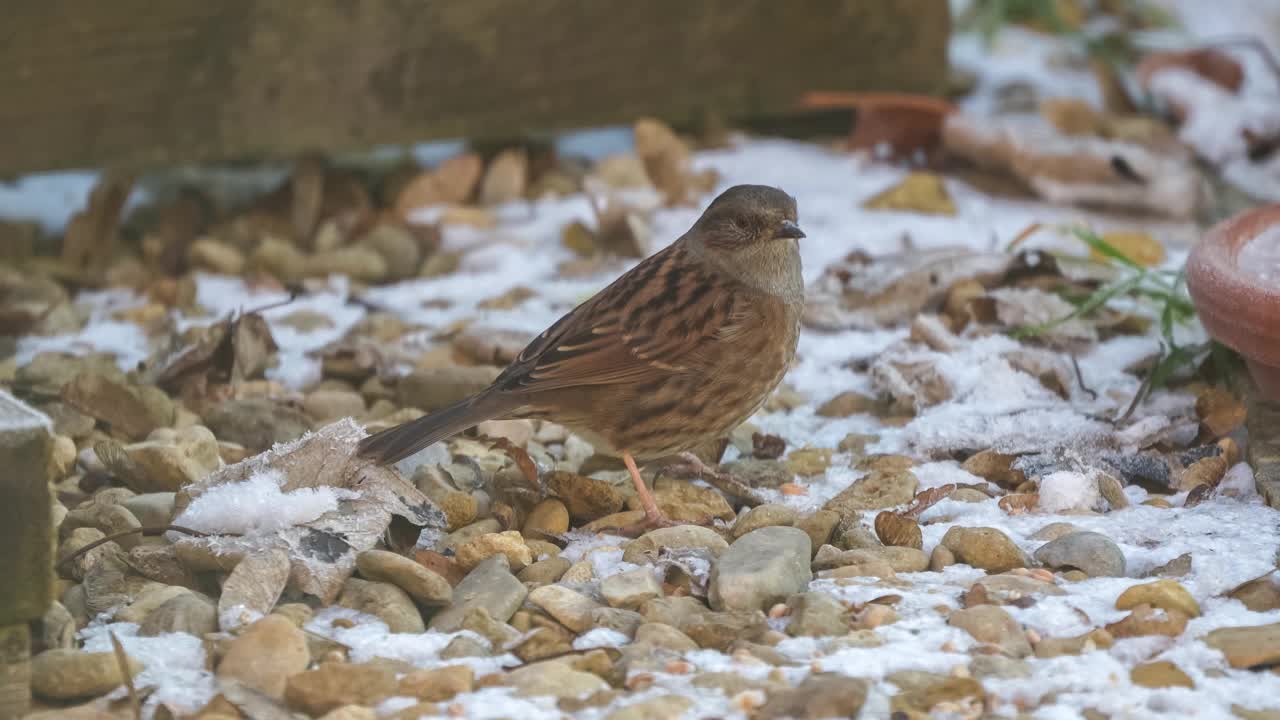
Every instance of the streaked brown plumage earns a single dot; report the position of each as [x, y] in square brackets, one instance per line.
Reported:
[680, 349]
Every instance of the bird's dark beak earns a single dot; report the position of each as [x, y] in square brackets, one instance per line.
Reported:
[790, 230]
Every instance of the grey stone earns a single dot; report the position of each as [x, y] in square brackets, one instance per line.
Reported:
[151, 509]
[816, 614]
[825, 695]
[761, 568]
[646, 548]
[984, 548]
[491, 586]
[992, 625]
[1093, 553]
[422, 585]
[999, 667]
[630, 589]
[664, 636]
[384, 601]
[624, 621]
[188, 613]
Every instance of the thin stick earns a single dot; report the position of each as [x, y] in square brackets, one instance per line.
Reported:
[122, 660]
[1075, 363]
[145, 531]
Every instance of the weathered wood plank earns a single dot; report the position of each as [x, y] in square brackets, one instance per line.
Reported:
[26, 534]
[85, 83]
[26, 513]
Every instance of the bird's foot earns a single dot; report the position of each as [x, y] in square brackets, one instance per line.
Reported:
[650, 521]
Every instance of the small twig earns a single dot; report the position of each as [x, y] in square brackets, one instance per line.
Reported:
[724, 482]
[1143, 390]
[122, 660]
[1075, 364]
[144, 531]
[294, 294]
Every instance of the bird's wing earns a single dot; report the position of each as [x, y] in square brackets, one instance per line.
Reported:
[665, 316]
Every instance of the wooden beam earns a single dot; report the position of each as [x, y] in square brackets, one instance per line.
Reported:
[26, 534]
[137, 83]
[26, 513]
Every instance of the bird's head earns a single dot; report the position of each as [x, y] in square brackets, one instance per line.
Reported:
[752, 231]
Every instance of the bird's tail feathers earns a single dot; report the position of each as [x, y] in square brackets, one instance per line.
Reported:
[399, 442]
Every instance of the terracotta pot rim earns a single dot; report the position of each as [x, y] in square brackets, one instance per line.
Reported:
[1235, 307]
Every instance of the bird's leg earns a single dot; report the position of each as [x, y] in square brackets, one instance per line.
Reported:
[724, 482]
[653, 517]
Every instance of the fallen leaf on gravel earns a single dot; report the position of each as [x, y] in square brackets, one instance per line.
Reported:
[667, 161]
[1079, 170]
[323, 550]
[864, 292]
[1220, 412]
[1208, 63]
[91, 234]
[898, 530]
[927, 498]
[919, 192]
[1139, 247]
[1019, 503]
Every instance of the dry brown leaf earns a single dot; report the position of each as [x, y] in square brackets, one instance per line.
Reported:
[522, 460]
[1139, 247]
[91, 234]
[455, 179]
[307, 195]
[1198, 494]
[445, 567]
[866, 292]
[926, 499]
[1220, 412]
[1078, 170]
[765, 446]
[1019, 503]
[452, 182]
[1072, 116]
[1213, 65]
[322, 551]
[507, 177]
[898, 530]
[906, 124]
[1205, 471]
[919, 192]
[667, 162]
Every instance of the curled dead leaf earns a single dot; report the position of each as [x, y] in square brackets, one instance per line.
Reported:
[1205, 471]
[926, 499]
[919, 192]
[522, 460]
[1213, 65]
[667, 162]
[898, 530]
[1019, 503]
[1220, 412]
[1198, 494]
[767, 447]
[1139, 247]
[906, 124]
[507, 177]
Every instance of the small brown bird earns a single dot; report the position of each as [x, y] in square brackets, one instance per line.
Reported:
[679, 350]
